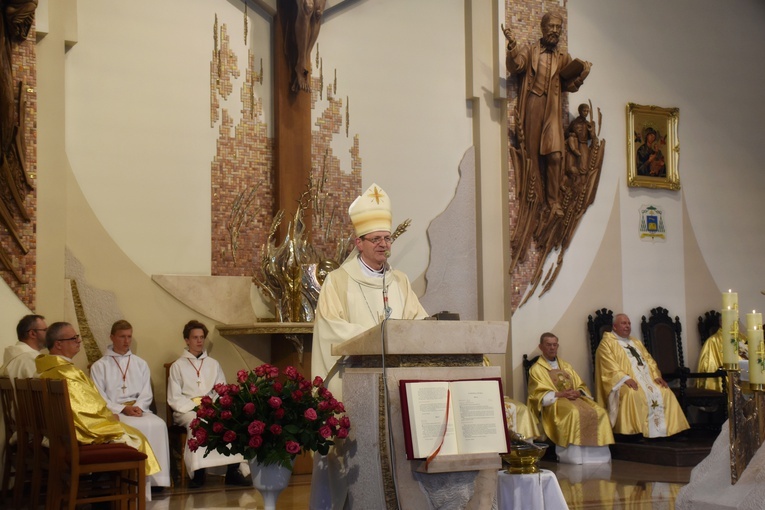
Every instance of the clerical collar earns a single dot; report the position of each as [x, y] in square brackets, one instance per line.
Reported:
[623, 339]
[368, 271]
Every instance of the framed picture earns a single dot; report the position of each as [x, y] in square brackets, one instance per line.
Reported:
[653, 149]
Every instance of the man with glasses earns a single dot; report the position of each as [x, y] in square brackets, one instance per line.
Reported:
[94, 423]
[351, 301]
[19, 359]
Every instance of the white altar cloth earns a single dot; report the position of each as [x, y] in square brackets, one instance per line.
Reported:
[538, 491]
[710, 487]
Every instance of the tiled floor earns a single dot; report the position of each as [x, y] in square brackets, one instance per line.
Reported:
[616, 486]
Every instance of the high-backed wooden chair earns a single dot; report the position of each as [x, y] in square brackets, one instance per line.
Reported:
[176, 435]
[124, 467]
[708, 325]
[663, 339]
[14, 451]
[527, 364]
[602, 322]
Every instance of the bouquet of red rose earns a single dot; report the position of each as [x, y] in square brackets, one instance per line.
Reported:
[268, 419]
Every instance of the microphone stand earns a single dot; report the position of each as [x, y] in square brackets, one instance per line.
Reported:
[386, 403]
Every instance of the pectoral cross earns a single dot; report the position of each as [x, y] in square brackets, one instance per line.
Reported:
[123, 387]
[199, 382]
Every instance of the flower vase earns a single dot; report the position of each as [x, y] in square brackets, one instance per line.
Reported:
[270, 481]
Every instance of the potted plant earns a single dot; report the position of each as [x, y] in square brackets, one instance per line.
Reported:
[269, 420]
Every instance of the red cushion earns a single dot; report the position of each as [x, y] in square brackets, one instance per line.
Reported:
[105, 453]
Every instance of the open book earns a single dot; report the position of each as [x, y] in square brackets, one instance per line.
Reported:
[464, 416]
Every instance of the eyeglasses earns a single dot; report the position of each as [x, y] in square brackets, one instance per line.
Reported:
[377, 240]
[73, 339]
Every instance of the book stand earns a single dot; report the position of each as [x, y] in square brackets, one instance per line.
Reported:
[426, 350]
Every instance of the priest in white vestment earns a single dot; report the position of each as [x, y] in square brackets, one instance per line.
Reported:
[351, 301]
[19, 358]
[124, 380]
[630, 386]
[193, 376]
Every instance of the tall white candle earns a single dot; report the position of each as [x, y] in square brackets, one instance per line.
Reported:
[730, 300]
[753, 320]
[729, 325]
[756, 355]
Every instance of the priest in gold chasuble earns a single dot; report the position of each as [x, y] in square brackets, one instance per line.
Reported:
[571, 418]
[630, 386]
[711, 359]
[94, 423]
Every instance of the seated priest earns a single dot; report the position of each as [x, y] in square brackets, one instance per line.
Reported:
[351, 301]
[571, 418]
[19, 359]
[124, 380]
[630, 386]
[711, 359]
[94, 423]
[193, 376]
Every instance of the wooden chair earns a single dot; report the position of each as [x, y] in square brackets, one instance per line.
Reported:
[527, 364]
[663, 339]
[124, 467]
[33, 445]
[14, 452]
[708, 325]
[602, 322]
[176, 435]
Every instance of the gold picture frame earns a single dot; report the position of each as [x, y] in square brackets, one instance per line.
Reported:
[653, 149]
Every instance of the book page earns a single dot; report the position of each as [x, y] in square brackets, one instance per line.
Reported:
[426, 402]
[478, 413]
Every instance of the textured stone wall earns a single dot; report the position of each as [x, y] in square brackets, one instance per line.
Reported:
[24, 65]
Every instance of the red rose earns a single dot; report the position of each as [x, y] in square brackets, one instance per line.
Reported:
[275, 402]
[297, 395]
[345, 422]
[225, 415]
[325, 393]
[225, 402]
[253, 388]
[201, 412]
[279, 413]
[229, 436]
[195, 423]
[249, 408]
[234, 389]
[206, 401]
[256, 428]
[339, 407]
[323, 405]
[325, 432]
[260, 371]
[291, 373]
[220, 388]
[310, 414]
[218, 427]
[342, 433]
[242, 375]
[256, 441]
[332, 421]
[275, 429]
[278, 387]
[272, 371]
[193, 444]
[317, 381]
[201, 435]
[333, 403]
[292, 447]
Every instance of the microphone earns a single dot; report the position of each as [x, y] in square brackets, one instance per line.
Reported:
[386, 267]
